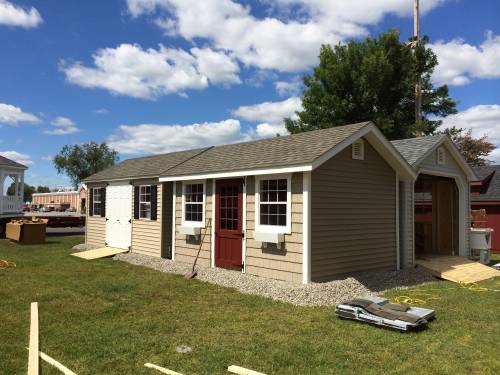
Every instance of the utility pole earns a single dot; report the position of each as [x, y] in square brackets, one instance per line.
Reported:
[416, 43]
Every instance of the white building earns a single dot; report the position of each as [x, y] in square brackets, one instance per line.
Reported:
[11, 171]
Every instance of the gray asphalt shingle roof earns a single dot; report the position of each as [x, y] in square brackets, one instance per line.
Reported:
[492, 187]
[4, 162]
[290, 150]
[413, 149]
[145, 167]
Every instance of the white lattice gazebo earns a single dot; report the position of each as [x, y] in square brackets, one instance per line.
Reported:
[9, 169]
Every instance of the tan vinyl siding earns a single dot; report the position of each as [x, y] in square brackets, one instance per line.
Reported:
[452, 167]
[146, 234]
[95, 226]
[353, 215]
[285, 264]
[185, 251]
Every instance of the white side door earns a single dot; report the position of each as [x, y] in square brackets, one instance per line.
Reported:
[119, 215]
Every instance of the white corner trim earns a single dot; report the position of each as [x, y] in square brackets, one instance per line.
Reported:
[174, 219]
[212, 239]
[244, 227]
[247, 172]
[306, 227]
[398, 249]
[196, 224]
[274, 228]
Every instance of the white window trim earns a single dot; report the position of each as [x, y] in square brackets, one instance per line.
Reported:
[94, 201]
[361, 148]
[140, 217]
[194, 224]
[285, 229]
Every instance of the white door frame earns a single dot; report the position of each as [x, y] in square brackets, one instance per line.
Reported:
[111, 243]
[463, 231]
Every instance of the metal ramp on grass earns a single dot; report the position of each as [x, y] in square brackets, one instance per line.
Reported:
[102, 252]
[457, 269]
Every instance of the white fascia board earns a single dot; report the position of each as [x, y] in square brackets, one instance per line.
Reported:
[460, 159]
[457, 156]
[248, 172]
[378, 141]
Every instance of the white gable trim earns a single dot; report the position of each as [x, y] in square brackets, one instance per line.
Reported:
[457, 156]
[378, 141]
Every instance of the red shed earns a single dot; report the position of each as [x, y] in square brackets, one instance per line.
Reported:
[485, 194]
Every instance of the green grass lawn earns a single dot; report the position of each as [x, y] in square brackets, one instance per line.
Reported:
[109, 317]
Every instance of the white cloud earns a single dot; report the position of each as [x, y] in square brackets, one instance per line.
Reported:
[14, 15]
[147, 74]
[482, 119]
[47, 158]
[63, 126]
[12, 115]
[278, 41]
[270, 114]
[218, 67]
[290, 87]
[17, 156]
[101, 111]
[63, 121]
[156, 138]
[460, 62]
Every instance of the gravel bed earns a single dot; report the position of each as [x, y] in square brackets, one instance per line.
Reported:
[313, 294]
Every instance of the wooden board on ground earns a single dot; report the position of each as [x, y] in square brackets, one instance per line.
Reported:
[161, 369]
[102, 252]
[33, 363]
[243, 371]
[456, 269]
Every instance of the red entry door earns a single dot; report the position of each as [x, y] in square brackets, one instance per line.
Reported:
[228, 224]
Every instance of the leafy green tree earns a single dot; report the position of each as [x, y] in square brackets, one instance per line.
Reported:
[373, 80]
[42, 189]
[28, 191]
[81, 161]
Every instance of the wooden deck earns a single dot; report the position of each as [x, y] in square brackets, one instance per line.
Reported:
[102, 252]
[456, 269]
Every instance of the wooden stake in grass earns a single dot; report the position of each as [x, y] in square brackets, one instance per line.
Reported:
[162, 369]
[33, 365]
[243, 371]
[57, 365]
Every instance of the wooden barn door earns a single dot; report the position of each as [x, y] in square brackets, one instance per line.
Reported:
[228, 224]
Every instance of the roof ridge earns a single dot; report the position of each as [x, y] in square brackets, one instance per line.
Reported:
[165, 153]
[184, 161]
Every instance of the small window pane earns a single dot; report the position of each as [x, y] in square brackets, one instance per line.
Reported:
[273, 198]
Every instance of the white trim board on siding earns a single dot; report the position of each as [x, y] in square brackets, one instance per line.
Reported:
[306, 228]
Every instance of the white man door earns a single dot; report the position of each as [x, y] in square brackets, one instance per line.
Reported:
[119, 215]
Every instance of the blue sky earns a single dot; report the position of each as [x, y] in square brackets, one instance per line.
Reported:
[152, 76]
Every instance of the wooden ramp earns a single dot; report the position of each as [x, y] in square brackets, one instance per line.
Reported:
[102, 252]
[456, 269]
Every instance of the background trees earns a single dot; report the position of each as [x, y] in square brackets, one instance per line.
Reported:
[81, 161]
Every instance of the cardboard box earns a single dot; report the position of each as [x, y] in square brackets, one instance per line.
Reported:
[27, 232]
